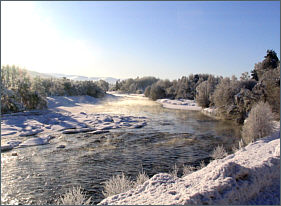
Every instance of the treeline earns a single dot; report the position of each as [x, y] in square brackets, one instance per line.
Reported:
[184, 88]
[21, 92]
[137, 85]
[235, 98]
[232, 97]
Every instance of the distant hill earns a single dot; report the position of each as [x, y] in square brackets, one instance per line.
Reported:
[110, 80]
[42, 75]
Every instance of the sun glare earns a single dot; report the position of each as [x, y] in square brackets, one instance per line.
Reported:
[32, 41]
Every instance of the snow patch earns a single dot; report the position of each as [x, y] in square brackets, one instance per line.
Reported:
[66, 115]
[184, 104]
[36, 141]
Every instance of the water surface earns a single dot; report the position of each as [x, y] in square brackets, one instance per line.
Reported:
[40, 174]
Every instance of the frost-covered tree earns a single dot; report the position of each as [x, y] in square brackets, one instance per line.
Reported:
[157, 92]
[103, 85]
[20, 91]
[270, 62]
[259, 123]
[224, 93]
[205, 90]
[16, 91]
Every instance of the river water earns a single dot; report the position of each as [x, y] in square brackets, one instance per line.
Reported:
[39, 175]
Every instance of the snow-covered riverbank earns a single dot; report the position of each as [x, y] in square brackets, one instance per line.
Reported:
[184, 104]
[65, 115]
[250, 176]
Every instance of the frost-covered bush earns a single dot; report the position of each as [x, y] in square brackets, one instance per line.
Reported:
[157, 92]
[141, 178]
[116, 185]
[32, 100]
[120, 183]
[175, 171]
[74, 196]
[219, 153]
[188, 169]
[201, 165]
[147, 91]
[241, 144]
[259, 123]
[10, 101]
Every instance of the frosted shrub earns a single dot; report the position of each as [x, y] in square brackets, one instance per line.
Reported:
[241, 144]
[202, 165]
[120, 183]
[175, 171]
[10, 101]
[116, 185]
[74, 196]
[188, 169]
[219, 153]
[259, 123]
[141, 178]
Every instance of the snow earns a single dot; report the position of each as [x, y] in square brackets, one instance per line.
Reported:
[36, 141]
[65, 115]
[184, 104]
[210, 111]
[250, 176]
[31, 132]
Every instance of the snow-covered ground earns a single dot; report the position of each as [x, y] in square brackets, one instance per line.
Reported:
[250, 176]
[65, 115]
[212, 112]
[184, 104]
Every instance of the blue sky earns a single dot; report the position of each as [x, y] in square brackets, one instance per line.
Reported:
[130, 39]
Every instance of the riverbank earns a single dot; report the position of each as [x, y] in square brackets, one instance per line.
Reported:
[65, 115]
[184, 104]
[250, 176]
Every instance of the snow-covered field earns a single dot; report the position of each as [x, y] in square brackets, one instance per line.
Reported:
[250, 176]
[65, 115]
[184, 104]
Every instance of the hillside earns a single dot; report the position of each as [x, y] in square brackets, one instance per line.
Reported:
[33, 74]
[110, 80]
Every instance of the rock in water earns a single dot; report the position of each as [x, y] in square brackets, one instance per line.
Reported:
[14, 143]
[61, 146]
[74, 131]
[31, 132]
[6, 147]
[98, 132]
[36, 141]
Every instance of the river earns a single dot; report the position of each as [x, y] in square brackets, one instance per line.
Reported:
[39, 175]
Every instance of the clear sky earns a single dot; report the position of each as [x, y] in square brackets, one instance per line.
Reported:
[130, 39]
